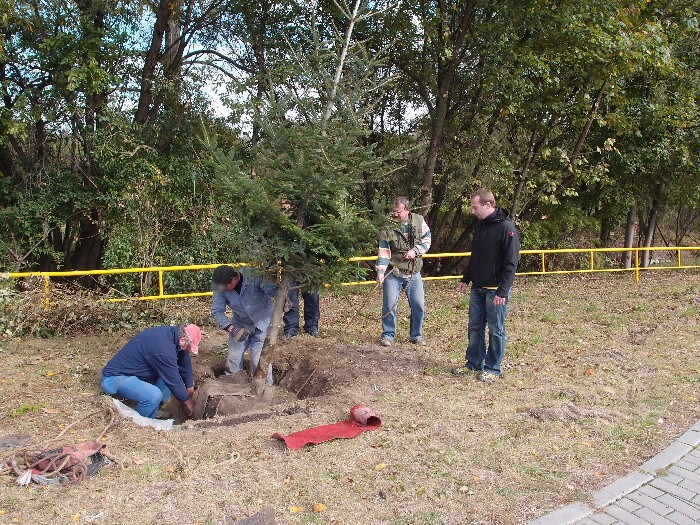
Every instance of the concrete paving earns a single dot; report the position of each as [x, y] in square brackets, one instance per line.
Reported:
[663, 491]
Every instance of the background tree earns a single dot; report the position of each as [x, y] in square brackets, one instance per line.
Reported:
[582, 115]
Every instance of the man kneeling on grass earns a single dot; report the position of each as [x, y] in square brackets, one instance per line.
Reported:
[152, 365]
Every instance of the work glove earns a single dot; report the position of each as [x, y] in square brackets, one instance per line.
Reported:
[240, 334]
[380, 277]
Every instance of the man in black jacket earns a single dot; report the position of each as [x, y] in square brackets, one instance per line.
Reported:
[491, 270]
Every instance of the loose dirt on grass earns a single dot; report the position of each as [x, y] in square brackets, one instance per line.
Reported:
[600, 374]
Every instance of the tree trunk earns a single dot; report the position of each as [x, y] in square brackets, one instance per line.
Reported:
[86, 253]
[89, 248]
[629, 235]
[163, 14]
[267, 355]
[685, 219]
[648, 239]
[524, 172]
[605, 230]
[446, 77]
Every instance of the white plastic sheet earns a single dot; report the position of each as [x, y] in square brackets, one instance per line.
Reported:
[158, 424]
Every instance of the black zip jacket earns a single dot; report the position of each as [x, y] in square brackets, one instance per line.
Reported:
[495, 253]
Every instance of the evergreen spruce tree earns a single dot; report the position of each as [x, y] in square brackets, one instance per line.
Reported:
[295, 204]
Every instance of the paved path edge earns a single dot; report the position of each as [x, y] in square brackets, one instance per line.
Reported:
[621, 487]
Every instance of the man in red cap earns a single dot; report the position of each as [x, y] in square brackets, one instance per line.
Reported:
[152, 365]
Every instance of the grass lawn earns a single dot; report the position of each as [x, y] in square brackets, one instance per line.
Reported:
[600, 374]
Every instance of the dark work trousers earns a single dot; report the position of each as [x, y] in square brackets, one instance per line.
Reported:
[311, 312]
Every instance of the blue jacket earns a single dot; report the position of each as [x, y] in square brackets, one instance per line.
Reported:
[152, 354]
[250, 309]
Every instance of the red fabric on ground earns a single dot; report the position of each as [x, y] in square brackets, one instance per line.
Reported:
[361, 419]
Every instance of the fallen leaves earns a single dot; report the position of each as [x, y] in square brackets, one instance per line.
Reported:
[316, 508]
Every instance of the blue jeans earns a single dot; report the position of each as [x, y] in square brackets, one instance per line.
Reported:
[311, 312]
[149, 396]
[236, 350]
[393, 286]
[482, 312]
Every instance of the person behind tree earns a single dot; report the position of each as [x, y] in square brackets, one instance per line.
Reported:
[250, 301]
[152, 365]
[495, 253]
[312, 313]
[401, 247]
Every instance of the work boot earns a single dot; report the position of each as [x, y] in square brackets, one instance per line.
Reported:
[385, 342]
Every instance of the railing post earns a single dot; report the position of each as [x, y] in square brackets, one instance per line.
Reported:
[591, 259]
[636, 265]
[160, 282]
[544, 270]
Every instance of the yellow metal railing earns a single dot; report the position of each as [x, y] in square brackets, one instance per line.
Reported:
[542, 263]
[636, 268]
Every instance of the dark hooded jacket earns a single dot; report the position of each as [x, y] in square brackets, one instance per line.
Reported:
[495, 253]
[152, 354]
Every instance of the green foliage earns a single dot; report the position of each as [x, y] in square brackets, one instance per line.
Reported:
[321, 129]
[558, 227]
[25, 408]
[298, 214]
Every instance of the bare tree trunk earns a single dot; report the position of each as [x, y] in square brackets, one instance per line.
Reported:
[163, 14]
[524, 171]
[341, 64]
[446, 77]
[629, 235]
[685, 218]
[648, 239]
[605, 230]
[267, 356]
[89, 248]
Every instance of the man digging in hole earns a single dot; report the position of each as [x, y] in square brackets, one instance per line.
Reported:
[151, 366]
[250, 301]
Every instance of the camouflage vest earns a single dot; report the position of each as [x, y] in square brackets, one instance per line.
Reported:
[400, 243]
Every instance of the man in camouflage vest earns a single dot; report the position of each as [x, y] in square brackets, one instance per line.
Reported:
[398, 267]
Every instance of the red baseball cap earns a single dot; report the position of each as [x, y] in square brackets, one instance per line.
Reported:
[194, 336]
